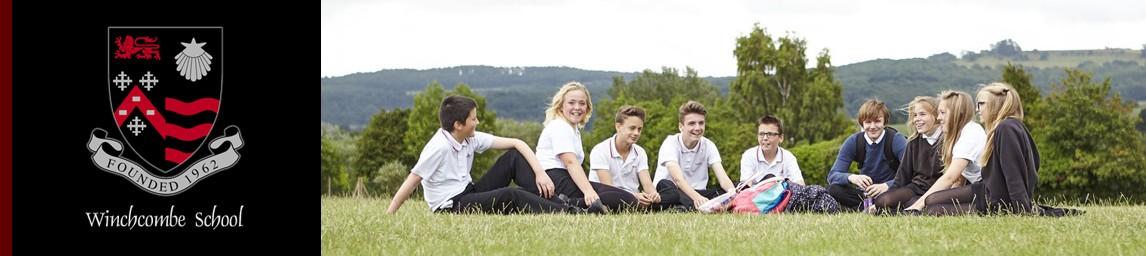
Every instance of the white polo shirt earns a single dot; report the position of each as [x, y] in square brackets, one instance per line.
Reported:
[445, 164]
[970, 146]
[624, 172]
[558, 137]
[753, 164]
[693, 162]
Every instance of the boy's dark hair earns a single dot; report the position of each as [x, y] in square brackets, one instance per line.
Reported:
[691, 107]
[627, 111]
[770, 119]
[455, 109]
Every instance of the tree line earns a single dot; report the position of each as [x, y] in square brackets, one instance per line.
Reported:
[1086, 133]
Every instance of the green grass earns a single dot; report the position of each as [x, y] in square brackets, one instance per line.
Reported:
[361, 227]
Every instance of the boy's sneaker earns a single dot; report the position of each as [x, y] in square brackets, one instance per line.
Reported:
[574, 203]
[680, 209]
[598, 208]
[570, 204]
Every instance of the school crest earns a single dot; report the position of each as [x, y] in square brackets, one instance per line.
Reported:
[165, 91]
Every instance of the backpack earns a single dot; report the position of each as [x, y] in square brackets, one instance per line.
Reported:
[768, 196]
[888, 152]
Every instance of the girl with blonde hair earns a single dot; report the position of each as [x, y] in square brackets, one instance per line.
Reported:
[560, 152]
[921, 164]
[963, 144]
[1011, 159]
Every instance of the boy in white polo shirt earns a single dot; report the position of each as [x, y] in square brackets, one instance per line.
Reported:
[769, 158]
[683, 162]
[620, 162]
[443, 169]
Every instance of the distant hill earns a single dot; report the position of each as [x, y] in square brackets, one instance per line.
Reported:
[520, 93]
[523, 92]
[1056, 59]
[898, 81]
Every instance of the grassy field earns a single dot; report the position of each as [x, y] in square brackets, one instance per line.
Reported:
[359, 226]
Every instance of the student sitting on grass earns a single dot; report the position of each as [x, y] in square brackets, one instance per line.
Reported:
[922, 163]
[684, 160]
[620, 162]
[961, 150]
[560, 153]
[1011, 159]
[768, 158]
[443, 169]
[876, 148]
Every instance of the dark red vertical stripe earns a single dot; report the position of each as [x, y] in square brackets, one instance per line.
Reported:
[6, 127]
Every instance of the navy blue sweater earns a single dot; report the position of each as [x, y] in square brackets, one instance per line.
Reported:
[875, 166]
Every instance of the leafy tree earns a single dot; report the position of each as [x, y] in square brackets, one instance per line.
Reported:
[1087, 140]
[1006, 48]
[334, 179]
[819, 115]
[376, 145]
[772, 78]
[525, 130]
[388, 177]
[1142, 121]
[1018, 78]
[423, 119]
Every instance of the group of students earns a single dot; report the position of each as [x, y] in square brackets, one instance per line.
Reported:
[949, 165]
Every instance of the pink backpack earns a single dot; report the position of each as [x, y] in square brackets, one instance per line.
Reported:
[768, 196]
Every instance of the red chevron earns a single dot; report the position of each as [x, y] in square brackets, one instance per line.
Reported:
[131, 102]
[156, 119]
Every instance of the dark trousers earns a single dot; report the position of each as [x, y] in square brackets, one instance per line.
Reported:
[512, 166]
[504, 201]
[849, 196]
[612, 197]
[673, 196]
[492, 194]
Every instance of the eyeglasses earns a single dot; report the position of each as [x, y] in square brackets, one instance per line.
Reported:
[768, 134]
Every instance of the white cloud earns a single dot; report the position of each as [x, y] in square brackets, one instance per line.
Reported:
[359, 36]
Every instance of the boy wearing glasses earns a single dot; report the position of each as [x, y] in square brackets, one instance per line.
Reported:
[769, 159]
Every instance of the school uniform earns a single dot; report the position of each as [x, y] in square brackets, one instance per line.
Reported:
[875, 166]
[624, 171]
[693, 162]
[445, 166]
[970, 145]
[754, 166]
[1010, 176]
[558, 137]
[921, 167]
